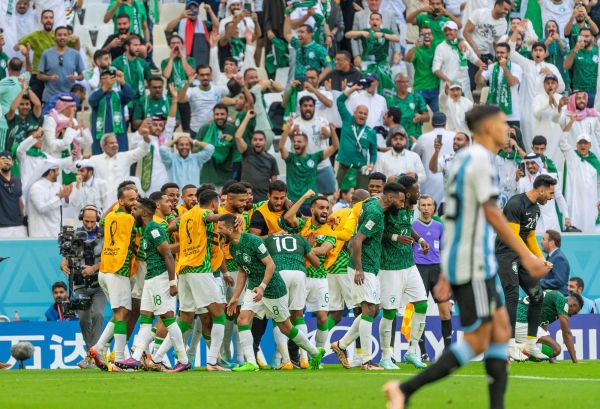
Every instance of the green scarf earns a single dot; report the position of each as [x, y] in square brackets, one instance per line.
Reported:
[592, 160]
[139, 87]
[117, 116]
[238, 48]
[368, 45]
[67, 177]
[510, 156]
[326, 4]
[290, 106]
[154, 11]
[500, 92]
[319, 36]
[178, 74]
[278, 56]
[550, 166]
[461, 56]
[222, 147]
[147, 164]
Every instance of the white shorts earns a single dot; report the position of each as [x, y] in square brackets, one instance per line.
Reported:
[137, 281]
[295, 282]
[521, 333]
[400, 287]
[117, 289]
[13, 232]
[156, 297]
[274, 308]
[339, 292]
[198, 290]
[230, 290]
[317, 294]
[368, 292]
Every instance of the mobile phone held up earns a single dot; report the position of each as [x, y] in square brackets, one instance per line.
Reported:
[248, 6]
[439, 138]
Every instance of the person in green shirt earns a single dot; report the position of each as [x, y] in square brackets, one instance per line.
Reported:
[302, 166]
[584, 61]
[266, 294]
[579, 19]
[425, 82]
[4, 58]
[136, 11]
[358, 151]
[156, 103]
[244, 103]
[24, 115]
[433, 16]
[413, 107]
[135, 69]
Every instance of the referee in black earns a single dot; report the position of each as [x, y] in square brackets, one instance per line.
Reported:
[523, 212]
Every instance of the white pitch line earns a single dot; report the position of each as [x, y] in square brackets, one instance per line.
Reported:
[533, 378]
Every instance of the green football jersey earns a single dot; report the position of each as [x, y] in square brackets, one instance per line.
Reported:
[554, 304]
[153, 235]
[288, 251]
[370, 223]
[397, 256]
[248, 254]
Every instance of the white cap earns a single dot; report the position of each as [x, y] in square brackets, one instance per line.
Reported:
[450, 24]
[584, 137]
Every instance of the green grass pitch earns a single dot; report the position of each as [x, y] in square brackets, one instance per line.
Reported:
[530, 385]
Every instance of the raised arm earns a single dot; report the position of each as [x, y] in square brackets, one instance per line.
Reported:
[287, 27]
[288, 129]
[290, 215]
[335, 142]
[239, 134]
[110, 13]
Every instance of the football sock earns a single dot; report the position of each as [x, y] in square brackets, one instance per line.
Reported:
[164, 348]
[302, 341]
[330, 323]
[143, 337]
[301, 325]
[352, 335]
[176, 339]
[457, 356]
[496, 368]
[385, 333]
[196, 334]
[239, 354]
[247, 343]
[546, 350]
[447, 333]
[365, 329]
[157, 343]
[417, 327]
[534, 313]
[282, 344]
[512, 343]
[206, 340]
[106, 336]
[216, 336]
[531, 342]
[151, 340]
[393, 340]
[321, 335]
[226, 346]
[120, 339]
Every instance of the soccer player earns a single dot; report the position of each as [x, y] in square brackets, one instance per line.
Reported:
[189, 199]
[198, 288]
[160, 287]
[265, 218]
[469, 266]
[522, 212]
[399, 277]
[288, 252]
[363, 268]
[322, 238]
[266, 294]
[172, 191]
[377, 181]
[554, 307]
[113, 277]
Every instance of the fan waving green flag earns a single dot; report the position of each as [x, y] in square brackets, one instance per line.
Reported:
[319, 35]
[278, 56]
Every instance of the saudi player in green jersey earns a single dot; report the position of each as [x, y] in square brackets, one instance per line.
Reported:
[363, 268]
[554, 307]
[160, 288]
[289, 252]
[266, 294]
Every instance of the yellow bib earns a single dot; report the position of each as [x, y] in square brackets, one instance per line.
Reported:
[271, 218]
[192, 238]
[117, 238]
[325, 230]
[225, 246]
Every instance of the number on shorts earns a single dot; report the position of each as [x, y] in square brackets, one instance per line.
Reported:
[157, 300]
[287, 243]
[326, 297]
[275, 310]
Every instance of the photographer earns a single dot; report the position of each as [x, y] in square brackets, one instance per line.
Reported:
[56, 311]
[85, 282]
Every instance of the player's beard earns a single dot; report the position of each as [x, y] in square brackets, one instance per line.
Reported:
[393, 210]
[139, 222]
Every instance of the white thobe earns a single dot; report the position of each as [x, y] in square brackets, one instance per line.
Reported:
[114, 170]
[507, 173]
[446, 59]
[221, 79]
[159, 171]
[589, 126]
[55, 146]
[393, 163]
[434, 185]
[242, 25]
[473, 5]
[43, 209]
[28, 164]
[531, 85]
[455, 113]
[542, 112]
[582, 189]
[93, 192]
[376, 104]
[549, 217]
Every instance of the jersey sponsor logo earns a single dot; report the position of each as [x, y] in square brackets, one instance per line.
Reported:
[515, 267]
[370, 224]
[155, 233]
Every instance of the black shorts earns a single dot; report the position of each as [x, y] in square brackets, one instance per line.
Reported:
[260, 16]
[430, 274]
[477, 301]
[513, 274]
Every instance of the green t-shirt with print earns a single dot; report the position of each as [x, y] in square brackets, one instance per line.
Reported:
[288, 251]
[411, 105]
[585, 70]
[137, 16]
[427, 20]
[371, 224]
[396, 256]
[146, 107]
[153, 236]
[425, 79]
[302, 173]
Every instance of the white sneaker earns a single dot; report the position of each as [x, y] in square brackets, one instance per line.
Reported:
[535, 354]
[356, 361]
[516, 355]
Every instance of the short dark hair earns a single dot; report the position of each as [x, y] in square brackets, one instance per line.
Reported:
[313, 69]
[393, 188]
[132, 37]
[247, 185]
[77, 88]
[308, 28]
[203, 67]
[578, 298]
[169, 185]
[579, 282]
[501, 2]
[59, 284]
[395, 113]
[425, 28]
[121, 191]
[259, 132]
[305, 99]
[539, 44]
[249, 70]
[503, 44]
[407, 181]
[544, 181]
[175, 36]
[186, 187]
[480, 114]
[586, 29]
[206, 186]
[207, 197]
[234, 87]
[378, 176]
[222, 106]
[237, 189]
[156, 196]
[46, 11]
[317, 198]
[554, 236]
[148, 204]
[123, 15]
[345, 54]
[15, 64]
[61, 28]
[156, 78]
[227, 184]
[228, 220]
[278, 186]
[125, 183]
[380, 16]
[231, 60]
[539, 140]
